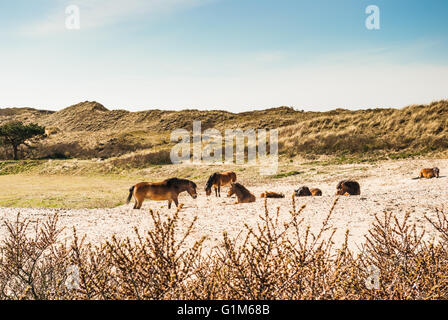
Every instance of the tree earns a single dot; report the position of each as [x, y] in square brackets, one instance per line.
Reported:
[15, 134]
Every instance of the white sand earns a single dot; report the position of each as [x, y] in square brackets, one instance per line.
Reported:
[384, 187]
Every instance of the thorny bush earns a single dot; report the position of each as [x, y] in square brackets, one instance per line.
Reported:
[274, 260]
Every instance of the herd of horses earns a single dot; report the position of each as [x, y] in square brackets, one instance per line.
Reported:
[170, 189]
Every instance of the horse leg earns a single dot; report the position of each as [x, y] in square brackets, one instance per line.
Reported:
[219, 189]
[216, 191]
[139, 204]
[176, 202]
[169, 204]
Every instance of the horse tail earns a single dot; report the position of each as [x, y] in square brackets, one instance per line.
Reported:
[131, 191]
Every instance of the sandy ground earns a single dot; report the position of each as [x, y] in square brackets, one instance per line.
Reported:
[384, 187]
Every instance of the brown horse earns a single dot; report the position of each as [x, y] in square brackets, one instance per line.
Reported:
[243, 195]
[348, 188]
[166, 190]
[217, 180]
[307, 192]
[269, 194]
[429, 173]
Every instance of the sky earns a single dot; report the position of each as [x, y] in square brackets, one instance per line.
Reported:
[235, 55]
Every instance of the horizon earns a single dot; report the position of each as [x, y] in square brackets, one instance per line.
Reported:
[296, 109]
[228, 55]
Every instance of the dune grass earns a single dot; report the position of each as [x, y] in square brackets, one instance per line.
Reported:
[89, 130]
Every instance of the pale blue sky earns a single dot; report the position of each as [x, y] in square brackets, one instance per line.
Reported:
[235, 55]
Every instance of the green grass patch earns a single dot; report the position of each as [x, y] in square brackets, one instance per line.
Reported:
[15, 167]
[286, 174]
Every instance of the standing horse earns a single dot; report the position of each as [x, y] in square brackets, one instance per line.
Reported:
[217, 180]
[166, 190]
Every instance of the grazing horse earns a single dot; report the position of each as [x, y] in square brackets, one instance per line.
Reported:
[217, 180]
[429, 173]
[268, 194]
[348, 188]
[166, 190]
[243, 195]
[306, 192]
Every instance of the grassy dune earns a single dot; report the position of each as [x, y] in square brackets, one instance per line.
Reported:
[89, 130]
[413, 130]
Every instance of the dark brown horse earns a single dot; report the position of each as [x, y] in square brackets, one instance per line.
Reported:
[242, 194]
[307, 192]
[348, 188]
[217, 180]
[166, 190]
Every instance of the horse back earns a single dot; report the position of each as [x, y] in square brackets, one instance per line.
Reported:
[154, 190]
[227, 177]
[243, 194]
[427, 173]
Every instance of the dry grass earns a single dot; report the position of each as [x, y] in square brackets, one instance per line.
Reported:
[272, 261]
[89, 130]
[413, 129]
[143, 160]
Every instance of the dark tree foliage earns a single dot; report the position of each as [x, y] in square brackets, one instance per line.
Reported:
[15, 134]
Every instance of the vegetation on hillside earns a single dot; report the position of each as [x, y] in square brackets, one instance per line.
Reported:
[15, 134]
[89, 130]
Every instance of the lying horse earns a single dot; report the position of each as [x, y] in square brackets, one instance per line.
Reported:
[217, 180]
[243, 195]
[348, 188]
[429, 173]
[166, 190]
[269, 194]
[306, 192]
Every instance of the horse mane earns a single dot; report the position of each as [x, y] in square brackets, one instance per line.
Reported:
[241, 188]
[210, 180]
[175, 181]
[339, 186]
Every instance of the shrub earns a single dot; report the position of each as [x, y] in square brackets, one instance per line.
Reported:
[274, 260]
